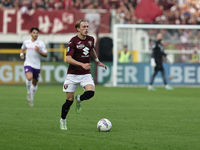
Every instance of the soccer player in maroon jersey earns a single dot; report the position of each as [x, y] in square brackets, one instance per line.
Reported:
[79, 51]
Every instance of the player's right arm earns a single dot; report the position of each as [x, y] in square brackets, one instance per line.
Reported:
[153, 51]
[22, 50]
[21, 53]
[153, 62]
[72, 61]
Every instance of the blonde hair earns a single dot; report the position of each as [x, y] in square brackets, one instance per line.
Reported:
[77, 25]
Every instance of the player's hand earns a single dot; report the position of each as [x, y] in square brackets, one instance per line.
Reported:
[86, 66]
[37, 49]
[153, 63]
[21, 55]
[169, 60]
[102, 65]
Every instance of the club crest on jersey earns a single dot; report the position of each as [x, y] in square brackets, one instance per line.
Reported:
[65, 86]
[90, 43]
[81, 46]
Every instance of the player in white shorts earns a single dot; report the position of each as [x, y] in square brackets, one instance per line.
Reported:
[34, 49]
[79, 51]
[73, 81]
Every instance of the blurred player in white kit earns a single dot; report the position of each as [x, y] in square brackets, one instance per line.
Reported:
[34, 49]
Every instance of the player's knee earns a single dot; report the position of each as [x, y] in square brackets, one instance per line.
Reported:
[88, 94]
[29, 78]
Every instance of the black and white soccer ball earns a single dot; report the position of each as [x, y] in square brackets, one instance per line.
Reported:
[104, 125]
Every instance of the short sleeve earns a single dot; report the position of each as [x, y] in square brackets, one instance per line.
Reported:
[23, 46]
[43, 47]
[70, 48]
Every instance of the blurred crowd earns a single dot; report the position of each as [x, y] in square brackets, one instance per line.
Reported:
[59, 4]
[174, 11]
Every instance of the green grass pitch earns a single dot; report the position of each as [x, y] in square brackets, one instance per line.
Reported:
[141, 119]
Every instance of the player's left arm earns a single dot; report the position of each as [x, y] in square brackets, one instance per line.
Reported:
[169, 60]
[153, 62]
[167, 57]
[94, 55]
[42, 50]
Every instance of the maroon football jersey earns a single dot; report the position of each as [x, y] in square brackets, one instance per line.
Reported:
[80, 50]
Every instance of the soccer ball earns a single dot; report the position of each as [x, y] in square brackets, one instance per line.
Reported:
[104, 125]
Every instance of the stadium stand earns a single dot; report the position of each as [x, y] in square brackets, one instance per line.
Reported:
[174, 11]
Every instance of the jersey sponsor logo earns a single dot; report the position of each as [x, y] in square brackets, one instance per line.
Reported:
[85, 56]
[65, 86]
[86, 51]
[79, 42]
[68, 49]
[30, 48]
[80, 46]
